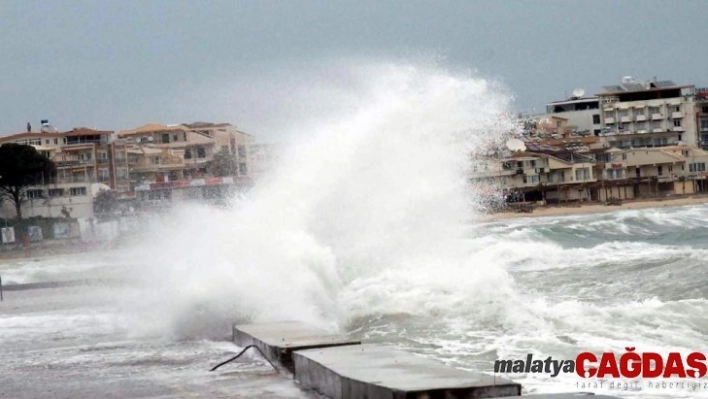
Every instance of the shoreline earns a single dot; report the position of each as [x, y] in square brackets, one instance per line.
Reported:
[590, 208]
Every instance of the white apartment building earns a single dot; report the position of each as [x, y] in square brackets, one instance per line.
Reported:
[648, 114]
[582, 114]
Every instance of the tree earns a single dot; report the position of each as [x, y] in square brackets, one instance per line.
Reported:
[105, 203]
[21, 166]
[223, 163]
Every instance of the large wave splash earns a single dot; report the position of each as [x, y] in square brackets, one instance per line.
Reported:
[364, 215]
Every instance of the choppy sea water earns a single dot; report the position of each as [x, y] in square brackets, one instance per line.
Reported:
[566, 285]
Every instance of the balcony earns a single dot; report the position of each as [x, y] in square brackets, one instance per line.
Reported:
[626, 119]
[677, 115]
[640, 118]
[657, 117]
[610, 121]
[658, 130]
[678, 129]
[642, 131]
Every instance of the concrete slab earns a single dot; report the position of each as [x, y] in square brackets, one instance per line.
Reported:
[380, 372]
[279, 340]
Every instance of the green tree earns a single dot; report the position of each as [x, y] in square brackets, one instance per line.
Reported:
[21, 166]
[223, 164]
[105, 203]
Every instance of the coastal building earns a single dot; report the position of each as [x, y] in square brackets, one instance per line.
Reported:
[701, 97]
[86, 161]
[552, 174]
[648, 114]
[179, 162]
[581, 113]
[153, 163]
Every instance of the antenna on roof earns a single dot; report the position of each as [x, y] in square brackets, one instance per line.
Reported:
[515, 145]
[578, 92]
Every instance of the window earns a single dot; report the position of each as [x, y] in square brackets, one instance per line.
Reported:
[34, 194]
[156, 160]
[671, 168]
[596, 119]
[582, 174]
[242, 169]
[201, 152]
[659, 170]
[677, 122]
[78, 191]
[85, 156]
[56, 192]
[242, 151]
[122, 173]
[613, 174]
[556, 177]
[56, 141]
[187, 154]
[697, 167]
[103, 174]
[624, 157]
[175, 137]
[165, 138]
[46, 141]
[531, 179]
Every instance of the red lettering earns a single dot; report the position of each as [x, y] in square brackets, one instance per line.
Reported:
[697, 366]
[674, 366]
[630, 364]
[580, 365]
[608, 365]
[647, 371]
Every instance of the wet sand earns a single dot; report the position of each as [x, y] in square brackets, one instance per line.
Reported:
[592, 208]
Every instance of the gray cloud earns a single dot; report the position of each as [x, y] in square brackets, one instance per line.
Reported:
[119, 64]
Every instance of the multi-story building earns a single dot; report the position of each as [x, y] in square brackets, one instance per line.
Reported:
[556, 174]
[701, 97]
[648, 114]
[581, 113]
[540, 173]
[86, 161]
[177, 161]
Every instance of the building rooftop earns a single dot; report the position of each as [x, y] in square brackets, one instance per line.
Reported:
[152, 128]
[630, 85]
[85, 131]
[575, 100]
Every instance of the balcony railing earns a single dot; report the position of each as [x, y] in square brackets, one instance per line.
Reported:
[641, 118]
[657, 117]
[610, 121]
[677, 115]
[626, 119]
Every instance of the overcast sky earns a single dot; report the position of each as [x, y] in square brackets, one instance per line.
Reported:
[120, 64]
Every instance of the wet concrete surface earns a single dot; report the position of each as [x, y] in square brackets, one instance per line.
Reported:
[72, 342]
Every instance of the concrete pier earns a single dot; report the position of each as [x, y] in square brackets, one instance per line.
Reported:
[563, 396]
[279, 340]
[380, 372]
